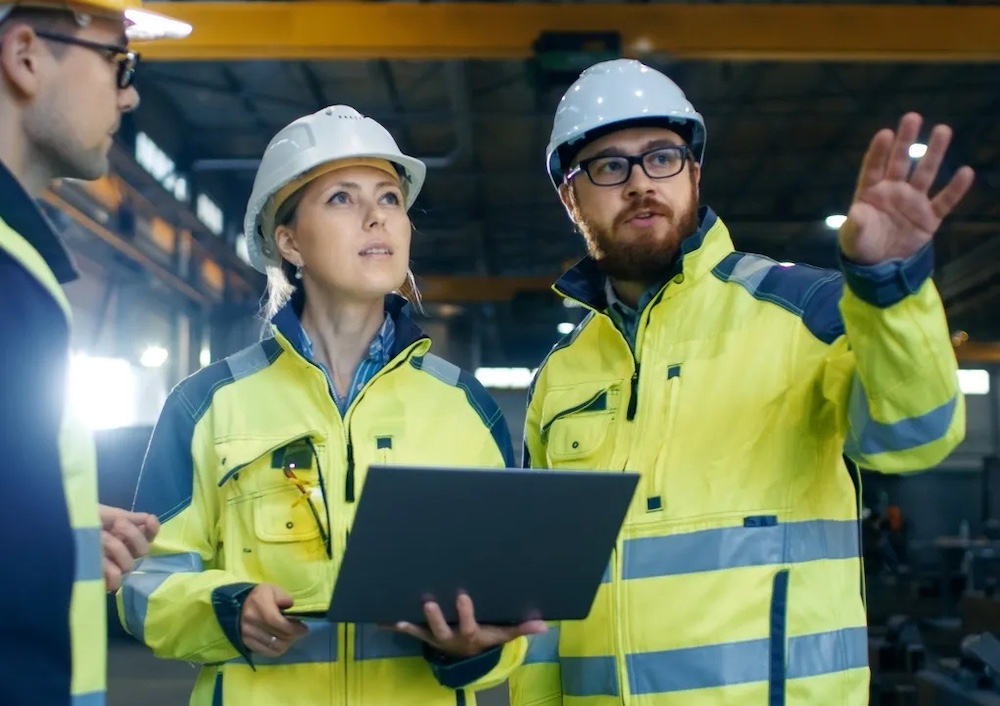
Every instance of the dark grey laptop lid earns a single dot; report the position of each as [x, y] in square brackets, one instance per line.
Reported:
[522, 543]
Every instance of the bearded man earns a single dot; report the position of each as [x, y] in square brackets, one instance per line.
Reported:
[736, 387]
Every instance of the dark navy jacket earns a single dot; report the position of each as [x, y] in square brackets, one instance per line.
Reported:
[35, 532]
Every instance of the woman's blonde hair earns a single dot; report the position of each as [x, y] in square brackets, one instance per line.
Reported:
[281, 275]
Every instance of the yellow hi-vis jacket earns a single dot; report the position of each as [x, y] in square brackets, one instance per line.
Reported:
[736, 578]
[58, 516]
[217, 476]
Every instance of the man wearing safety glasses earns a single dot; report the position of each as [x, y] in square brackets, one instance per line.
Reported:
[735, 385]
[67, 75]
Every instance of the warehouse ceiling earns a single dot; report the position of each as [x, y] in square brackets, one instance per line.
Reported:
[785, 140]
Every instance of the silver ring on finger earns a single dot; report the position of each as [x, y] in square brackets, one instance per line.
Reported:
[272, 642]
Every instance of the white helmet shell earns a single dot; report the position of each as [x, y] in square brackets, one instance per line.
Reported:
[618, 92]
[334, 133]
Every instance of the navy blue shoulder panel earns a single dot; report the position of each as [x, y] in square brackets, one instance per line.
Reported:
[166, 481]
[477, 395]
[565, 342]
[811, 293]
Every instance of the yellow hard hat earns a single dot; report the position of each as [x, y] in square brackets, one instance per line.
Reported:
[140, 24]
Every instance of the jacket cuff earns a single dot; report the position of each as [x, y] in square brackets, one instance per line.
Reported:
[459, 672]
[227, 601]
[890, 282]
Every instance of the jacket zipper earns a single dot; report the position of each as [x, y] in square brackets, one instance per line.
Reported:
[633, 398]
[350, 494]
[349, 480]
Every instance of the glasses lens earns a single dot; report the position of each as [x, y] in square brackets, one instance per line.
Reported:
[663, 163]
[608, 171]
[126, 70]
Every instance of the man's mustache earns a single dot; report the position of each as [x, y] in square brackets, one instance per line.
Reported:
[648, 204]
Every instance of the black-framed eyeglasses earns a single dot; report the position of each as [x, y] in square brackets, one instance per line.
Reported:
[127, 60]
[659, 163]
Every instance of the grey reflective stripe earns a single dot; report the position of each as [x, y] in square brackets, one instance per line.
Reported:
[750, 271]
[94, 698]
[607, 574]
[148, 575]
[714, 666]
[441, 369]
[318, 647]
[89, 554]
[589, 676]
[868, 437]
[733, 547]
[373, 642]
[247, 362]
[544, 648]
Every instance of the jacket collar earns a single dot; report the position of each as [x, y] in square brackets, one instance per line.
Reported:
[23, 214]
[700, 252]
[288, 323]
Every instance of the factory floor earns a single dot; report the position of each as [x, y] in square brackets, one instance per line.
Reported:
[137, 678]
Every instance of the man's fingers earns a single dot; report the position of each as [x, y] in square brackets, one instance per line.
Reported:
[899, 156]
[928, 166]
[112, 576]
[949, 197]
[875, 162]
[116, 552]
[149, 525]
[132, 537]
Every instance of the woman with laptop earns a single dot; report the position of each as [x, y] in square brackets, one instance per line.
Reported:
[255, 464]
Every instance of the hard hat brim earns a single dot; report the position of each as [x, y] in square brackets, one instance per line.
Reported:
[145, 26]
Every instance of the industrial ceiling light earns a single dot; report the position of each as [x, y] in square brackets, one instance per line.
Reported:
[918, 150]
[565, 327]
[974, 381]
[154, 357]
[505, 378]
[835, 221]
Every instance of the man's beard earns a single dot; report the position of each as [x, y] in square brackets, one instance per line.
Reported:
[644, 257]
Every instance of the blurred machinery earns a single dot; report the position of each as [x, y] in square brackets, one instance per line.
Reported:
[973, 679]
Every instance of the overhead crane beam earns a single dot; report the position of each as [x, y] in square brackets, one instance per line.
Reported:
[472, 289]
[233, 31]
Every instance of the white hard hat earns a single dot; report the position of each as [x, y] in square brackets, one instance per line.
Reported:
[333, 134]
[613, 94]
[140, 24]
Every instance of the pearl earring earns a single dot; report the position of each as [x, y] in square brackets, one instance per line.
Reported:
[298, 272]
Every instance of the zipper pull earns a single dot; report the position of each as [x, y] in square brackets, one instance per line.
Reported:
[633, 400]
[349, 482]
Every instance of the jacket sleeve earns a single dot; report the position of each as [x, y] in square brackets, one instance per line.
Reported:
[889, 378]
[177, 601]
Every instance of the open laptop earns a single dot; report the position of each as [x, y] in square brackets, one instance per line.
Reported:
[524, 544]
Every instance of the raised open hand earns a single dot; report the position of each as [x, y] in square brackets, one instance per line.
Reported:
[893, 214]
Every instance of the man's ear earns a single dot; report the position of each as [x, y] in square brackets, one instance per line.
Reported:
[284, 238]
[568, 201]
[20, 60]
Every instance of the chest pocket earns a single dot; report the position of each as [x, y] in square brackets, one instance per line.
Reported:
[278, 512]
[578, 425]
